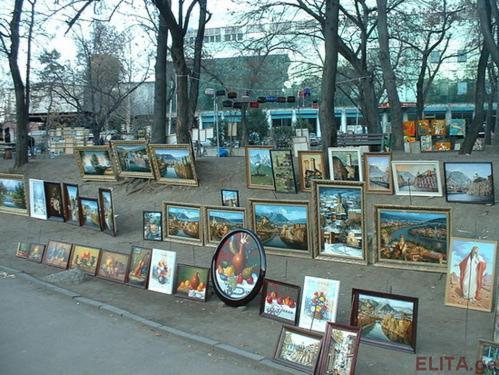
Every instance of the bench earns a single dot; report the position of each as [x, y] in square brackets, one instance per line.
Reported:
[368, 139]
[6, 150]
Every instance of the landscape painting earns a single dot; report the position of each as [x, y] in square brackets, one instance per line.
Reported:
[37, 204]
[183, 223]
[344, 164]
[283, 171]
[57, 254]
[54, 201]
[162, 272]
[36, 251]
[113, 266]
[280, 301]
[488, 358]
[457, 126]
[387, 320]
[191, 282]
[174, 164]
[221, 221]
[470, 182]
[108, 220]
[417, 178]
[413, 237]
[13, 194]
[95, 162]
[71, 194]
[153, 225]
[230, 198]
[311, 167]
[140, 260]
[85, 258]
[282, 226]
[259, 174]
[89, 213]
[22, 250]
[133, 159]
[378, 172]
[471, 274]
[339, 210]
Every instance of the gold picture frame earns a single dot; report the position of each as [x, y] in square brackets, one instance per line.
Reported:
[173, 226]
[115, 147]
[375, 184]
[313, 169]
[214, 239]
[15, 196]
[185, 174]
[102, 172]
[267, 168]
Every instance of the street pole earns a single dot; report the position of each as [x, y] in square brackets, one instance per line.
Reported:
[215, 112]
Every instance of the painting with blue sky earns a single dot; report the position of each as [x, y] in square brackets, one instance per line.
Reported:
[469, 182]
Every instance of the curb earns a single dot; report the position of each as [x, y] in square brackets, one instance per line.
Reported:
[229, 349]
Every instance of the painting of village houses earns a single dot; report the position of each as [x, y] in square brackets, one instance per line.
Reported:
[469, 182]
[411, 237]
[183, 223]
[421, 178]
[221, 222]
[344, 164]
[298, 348]
[311, 167]
[282, 167]
[341, 345]
[174, 164]
[13, 194]
[133, 159]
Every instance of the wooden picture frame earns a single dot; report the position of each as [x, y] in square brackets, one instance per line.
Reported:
[311, 166]
[54, 201]
[227, 199]
[261, 154]
[274, 226]
[216, 226]
[274, 306]
[85, 257]
[89, 212]
[190, 229]
[184, 286]
[113, 266]
[37, 201]
[15, 187]
[346, 165]
[152, 225]
[184, 167]
[379, 178]
[57, 254]
[396, 309]
[283, 171]
[123, 165]
[419, 252]
[139, 266]
[408, 179]
[342, 241]
[22, 250]
[91, 169]
[477, 177]
[106, 211]
[71, 192]
[36, 252]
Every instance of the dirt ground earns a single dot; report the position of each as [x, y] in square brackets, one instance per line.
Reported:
[441, 330]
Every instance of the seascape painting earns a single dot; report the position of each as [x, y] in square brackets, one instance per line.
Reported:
[183, 223]
[89, 213]
[13, 194]
[140, 260]
[457, 126]
[71, 194]
[311, 166]
[174, 164]
[222, 221]
[298, 348]
[153, 225]
[283, 171]
[95, 162]
[85, 258]
[57, 254]
[418, 178]
[259, 172]
[133, 159]
[470, 182]
[113, 266]
[37, 203]
[344, 164]
[162, 272]
[378, 173]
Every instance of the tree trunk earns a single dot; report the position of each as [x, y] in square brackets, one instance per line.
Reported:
[182, 72]
[420, 92]
[476, 124]
[488, 118]
[244, 125]
[389, 77]
[369, 104]
[329, 128]
[158, 131]
[484, 13]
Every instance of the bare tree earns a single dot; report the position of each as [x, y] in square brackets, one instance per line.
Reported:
[487, 11]
[158, 130]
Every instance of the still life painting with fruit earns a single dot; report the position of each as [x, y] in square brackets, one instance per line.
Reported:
[191, 282]
[280, 301]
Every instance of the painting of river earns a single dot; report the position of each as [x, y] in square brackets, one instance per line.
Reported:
[378, 172]
[96, 162]
[13, 194]
[413, 237]
[183, 223]
[133, 159]
[469, 182]
[174, 164]
[418, 178]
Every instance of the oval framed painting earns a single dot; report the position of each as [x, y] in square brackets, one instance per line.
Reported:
[238, 267]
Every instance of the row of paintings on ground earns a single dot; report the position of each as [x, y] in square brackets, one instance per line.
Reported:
[466, 182]
[168, 164]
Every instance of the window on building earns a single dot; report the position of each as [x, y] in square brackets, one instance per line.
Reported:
[239, 36]
[218, 38]
[212, 38]
[227, 37]
[462, 88]
[462, 57]
[435, 57]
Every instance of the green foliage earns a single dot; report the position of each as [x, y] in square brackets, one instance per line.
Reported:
[283, 136]
[19, 197]
[257, 122]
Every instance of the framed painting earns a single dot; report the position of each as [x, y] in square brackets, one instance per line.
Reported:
[283, 226]
[230, 198]
[280, 301]
[153, 225]
[457, 127]
[133, 159]
[107, 216]
[22, 250]
[85, 258]
[311, 166]
[496, 325]
[37, 203]
[469, 182]
[339, 350]
[174, 164]
[89, 213]
[423, 127]
[138, 269]
[438, 127]
[319, 303]
[238, 267]
[13, 198]
[340, 221]
[426, 143]
[183, 223]
[445, 145]
[95, 163]
[191, 282]
[412, 237]
[162, 273]
[36, 251]
[386, 320]
[344, 163]
[220, 221]
[378, 172]
[57, 254]
[409, 128]
[471, 274]
[71, 211]
[113, 266]
[298, 348]
[488, 358]
[283, 171]
[54, 201]
[259, 173]
[417, 178]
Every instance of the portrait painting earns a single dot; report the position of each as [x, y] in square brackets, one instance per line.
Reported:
[283, 171]
[339, 211]
[191, 282]
[153, 225]
[13, 199]
[95, 163]
[113, 266]
[319, 303]
[36, 251]
[174, 164]
[280, 301]
[259, 174]
[417, 178]
[230, 198]
[22, 250]
[54, 201]
[140, 261]
[220, 221]
[345, 164]
[89, 213]
[183, 223]
[108, 219]
[413, 237]
[469, 182]
[85, 258]
[488, 358]
[471, 274]
[132, 159]
[386, 320]
[283, 226]
[37, 204]
[71, 194]
[311, 166]
[162, 274]
[57, 254]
